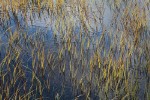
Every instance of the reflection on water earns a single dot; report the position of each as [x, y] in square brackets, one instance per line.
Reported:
[76, 50]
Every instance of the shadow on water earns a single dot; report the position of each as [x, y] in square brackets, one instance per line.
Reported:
[59, 85]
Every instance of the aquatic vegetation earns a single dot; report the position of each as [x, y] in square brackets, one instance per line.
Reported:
[84, 49]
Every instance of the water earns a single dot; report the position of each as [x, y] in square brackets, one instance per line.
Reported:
[45, 31]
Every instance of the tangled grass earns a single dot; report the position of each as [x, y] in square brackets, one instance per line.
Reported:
[83, 58]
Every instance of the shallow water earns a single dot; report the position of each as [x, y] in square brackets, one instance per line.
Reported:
[42, 32]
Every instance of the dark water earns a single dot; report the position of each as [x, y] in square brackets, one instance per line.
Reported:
[59, 84]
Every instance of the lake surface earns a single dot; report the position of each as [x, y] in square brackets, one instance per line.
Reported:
[81, 51]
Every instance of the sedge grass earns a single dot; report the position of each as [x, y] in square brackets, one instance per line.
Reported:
[114, 65]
